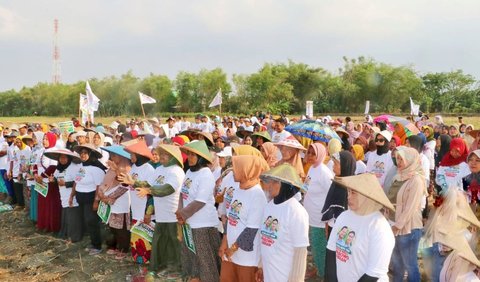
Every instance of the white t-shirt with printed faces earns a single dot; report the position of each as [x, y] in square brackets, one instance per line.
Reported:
[246, 211]
[122, 203]
[227, 187]
[317, 183]
[67, 175]
[199, 186]
[448, 176]
[284, 228]
[137, 204]
[165, 207]
[361, 168]
[380, 165]
[20, 160]
[363, 245]
[87, 178]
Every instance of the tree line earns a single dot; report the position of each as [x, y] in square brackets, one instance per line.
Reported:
[275, 87]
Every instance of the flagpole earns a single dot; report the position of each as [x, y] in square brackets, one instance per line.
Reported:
[143, 110]
[220, 90]
[80, 108]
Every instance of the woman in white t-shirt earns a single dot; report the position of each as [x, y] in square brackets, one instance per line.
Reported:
[379, 163]
[357, 151]
[284, 229]
[142, 170]
[361, 241]
[64, 175]
[165, 184]
[89, 176]
[240, 249]
[21, 156]
[453, 166]
[316, 185]
[198, 216]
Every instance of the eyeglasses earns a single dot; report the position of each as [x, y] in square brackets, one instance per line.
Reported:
[379, 140]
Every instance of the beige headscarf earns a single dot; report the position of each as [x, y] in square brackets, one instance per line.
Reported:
[247, 170]
[413, 163]
[110, 179]
[295, 161]
[271, 152]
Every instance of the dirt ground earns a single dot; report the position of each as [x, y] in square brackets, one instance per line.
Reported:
[26, 255]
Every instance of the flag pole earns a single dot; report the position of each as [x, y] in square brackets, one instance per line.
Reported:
[80, 108]
[220, 90]
[143, 110]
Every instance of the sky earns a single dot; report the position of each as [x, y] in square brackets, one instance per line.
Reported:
[104, 38]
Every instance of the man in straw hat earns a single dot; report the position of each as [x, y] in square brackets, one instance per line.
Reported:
[362, 241]
[284, 228]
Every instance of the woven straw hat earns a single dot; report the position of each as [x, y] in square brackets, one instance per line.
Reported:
[174, 151]
[198, 147]
[284, 173]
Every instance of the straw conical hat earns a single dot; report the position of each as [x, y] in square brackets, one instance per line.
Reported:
[198, 147]
[207, 138]
[90, 147]
[366, 184]
[458, 242]
[285, 173]
[54, 154]
[291, 142]
[139, 148]
[465, 212]
[174, 151]
[263, 134]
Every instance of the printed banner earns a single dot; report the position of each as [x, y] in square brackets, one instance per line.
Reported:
[103, 211]
[143, 230]
[188, 237]
[41, 188]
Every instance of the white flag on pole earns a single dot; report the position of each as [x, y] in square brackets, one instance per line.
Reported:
[367, 107]
[217, 100]
[414, 108]
[145, 99]
[84, 108]
[93, 100]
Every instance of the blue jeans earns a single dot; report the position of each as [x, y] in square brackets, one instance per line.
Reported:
[435, 260]
[404, 257]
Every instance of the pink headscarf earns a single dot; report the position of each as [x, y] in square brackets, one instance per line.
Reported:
[320, 153]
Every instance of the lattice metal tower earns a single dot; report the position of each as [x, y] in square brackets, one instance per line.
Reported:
[56, 77]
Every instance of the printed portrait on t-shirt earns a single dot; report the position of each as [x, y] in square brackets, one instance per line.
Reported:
[234, 213]
[160, 180]
[186, 188]
[269, 231]
[228, 196]
[345, 241]
[80, 175]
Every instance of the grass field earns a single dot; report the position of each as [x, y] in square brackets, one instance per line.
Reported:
[475, 120]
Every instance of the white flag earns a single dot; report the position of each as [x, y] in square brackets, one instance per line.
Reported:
[217, 100]
[414, 108]
[84, 108]
[367, 107]
[93, 100]
[144, 99]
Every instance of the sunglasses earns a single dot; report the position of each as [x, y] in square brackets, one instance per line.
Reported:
[379, 140]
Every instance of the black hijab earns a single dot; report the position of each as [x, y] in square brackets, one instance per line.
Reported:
[287, 191]
[382, 149]
[61, 167]
[444, 148]
[336, 201]
[93, 161]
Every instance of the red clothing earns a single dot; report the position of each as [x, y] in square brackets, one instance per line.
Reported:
[50, 207]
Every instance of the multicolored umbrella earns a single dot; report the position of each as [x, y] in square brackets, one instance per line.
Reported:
[315, 130]
[410, 128]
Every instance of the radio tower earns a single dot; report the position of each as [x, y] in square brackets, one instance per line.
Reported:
[56, 54]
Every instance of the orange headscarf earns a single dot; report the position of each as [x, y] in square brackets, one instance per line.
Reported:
[399, 131]
[247, 170]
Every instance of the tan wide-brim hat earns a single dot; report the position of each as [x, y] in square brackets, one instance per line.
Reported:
[55, 153]
[366, 184]
[90, 147]
[340, 129]
[457, 241]
[284, 173]
[208, 138]
[173, 151]
[198, 147]
[465, 212]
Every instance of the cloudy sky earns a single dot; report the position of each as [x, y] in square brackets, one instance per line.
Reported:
[103, 38]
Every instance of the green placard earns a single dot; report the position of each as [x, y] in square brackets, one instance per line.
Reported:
[103, 211]
[41, 188]
[188, 237]
[143, 230]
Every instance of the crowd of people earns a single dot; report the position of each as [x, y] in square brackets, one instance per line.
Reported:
[243, 199]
